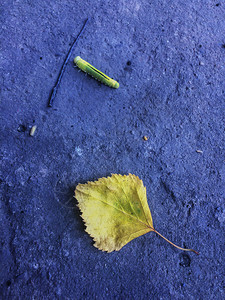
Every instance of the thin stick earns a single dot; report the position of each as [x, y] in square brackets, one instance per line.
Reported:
[174, 244]
[54, 90]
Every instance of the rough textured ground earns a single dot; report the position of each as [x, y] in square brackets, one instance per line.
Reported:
[168, 57]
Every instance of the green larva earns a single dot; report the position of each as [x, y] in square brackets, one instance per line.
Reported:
[95, 73]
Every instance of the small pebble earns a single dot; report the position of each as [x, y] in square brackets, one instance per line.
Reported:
[199, 151]
[145, 137]
[33, 129]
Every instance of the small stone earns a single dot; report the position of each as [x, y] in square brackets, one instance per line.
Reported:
[199, 151]
[33, 129]
[145, 137]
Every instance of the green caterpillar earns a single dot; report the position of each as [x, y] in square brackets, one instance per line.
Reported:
[88, 68]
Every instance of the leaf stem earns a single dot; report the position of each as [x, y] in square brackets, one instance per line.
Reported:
[173, 243]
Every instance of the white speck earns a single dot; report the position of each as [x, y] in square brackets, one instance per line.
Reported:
[36, 266]
[78, 151]
[199, 151]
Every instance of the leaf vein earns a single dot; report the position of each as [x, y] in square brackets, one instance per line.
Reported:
[141, 203]
[122, 211]
[132, 208]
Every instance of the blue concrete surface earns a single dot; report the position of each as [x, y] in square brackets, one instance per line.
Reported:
[168, 57]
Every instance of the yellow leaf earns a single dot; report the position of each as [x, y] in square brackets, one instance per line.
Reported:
[115, 211]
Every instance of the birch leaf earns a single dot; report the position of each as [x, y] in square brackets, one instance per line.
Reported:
[115, 211]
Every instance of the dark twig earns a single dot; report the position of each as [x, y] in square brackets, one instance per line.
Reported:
[54, 90]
